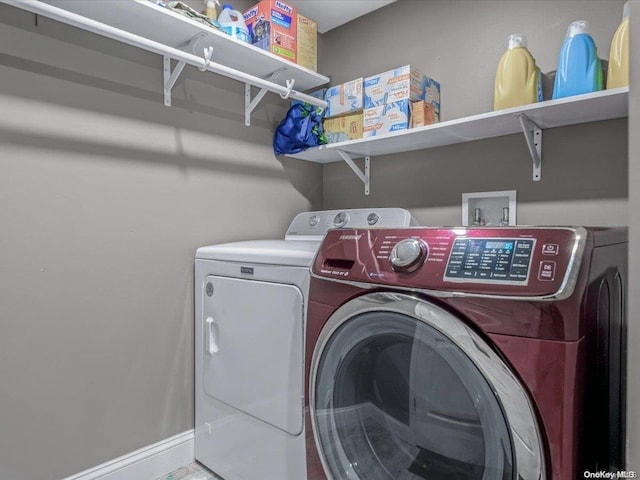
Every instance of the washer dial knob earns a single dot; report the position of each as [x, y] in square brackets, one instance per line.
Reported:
[372, 218]
[314, 220]
[341, 219]
[408, 255]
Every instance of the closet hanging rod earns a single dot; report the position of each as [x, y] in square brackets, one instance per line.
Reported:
[123, 36]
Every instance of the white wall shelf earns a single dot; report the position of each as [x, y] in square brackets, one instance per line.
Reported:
[151, 27]
[532, 119]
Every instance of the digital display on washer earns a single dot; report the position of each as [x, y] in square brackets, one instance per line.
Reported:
[504, 245]
[490, 259]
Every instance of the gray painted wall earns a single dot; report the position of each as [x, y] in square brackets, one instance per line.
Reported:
[459, 43]
[633, 398]
[104, 196]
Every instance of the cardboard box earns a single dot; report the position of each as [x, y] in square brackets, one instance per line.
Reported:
[273, 26]
[384, 119]
[402, 83]
[423, 113]
[307, 43]
[432, 95]
[346, 127]
[344, 98]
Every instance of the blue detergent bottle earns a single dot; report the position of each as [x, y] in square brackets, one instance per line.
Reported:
[579, 68]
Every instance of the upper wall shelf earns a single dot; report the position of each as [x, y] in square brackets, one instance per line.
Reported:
[592, 107]
[160, 30]
[164, 26]
[529, 119]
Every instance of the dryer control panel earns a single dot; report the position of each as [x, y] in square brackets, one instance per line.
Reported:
[313, 225]
[521, 261]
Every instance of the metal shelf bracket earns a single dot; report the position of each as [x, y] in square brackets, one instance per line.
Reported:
[251, 104]
[366, 176]
[170, 78]
[533, 136]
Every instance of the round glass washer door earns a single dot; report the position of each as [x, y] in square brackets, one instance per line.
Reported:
[403, 390]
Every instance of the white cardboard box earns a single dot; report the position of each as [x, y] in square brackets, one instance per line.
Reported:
[402, 83]
[386, 118]
[344, 98]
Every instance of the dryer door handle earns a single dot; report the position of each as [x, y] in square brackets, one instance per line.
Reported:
[213, 333]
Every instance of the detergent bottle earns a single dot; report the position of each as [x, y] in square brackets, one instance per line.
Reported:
[579, 68]
[210, 9]
[518, 80]
[618, 72]
[232, 22]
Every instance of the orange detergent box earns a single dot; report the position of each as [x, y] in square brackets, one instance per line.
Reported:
[273, 26]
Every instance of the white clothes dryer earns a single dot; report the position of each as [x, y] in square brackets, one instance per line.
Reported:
[250, 311]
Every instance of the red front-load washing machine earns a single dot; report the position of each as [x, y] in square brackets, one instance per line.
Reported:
[467, 354]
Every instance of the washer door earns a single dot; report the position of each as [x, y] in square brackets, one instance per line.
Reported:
[402, 389]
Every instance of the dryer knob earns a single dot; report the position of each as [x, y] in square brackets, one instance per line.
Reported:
[408, 255]
[340, 220]
[314, 220]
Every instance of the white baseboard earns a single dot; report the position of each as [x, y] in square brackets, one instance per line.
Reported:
[148, 463]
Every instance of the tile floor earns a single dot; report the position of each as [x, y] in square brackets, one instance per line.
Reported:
[193, 471]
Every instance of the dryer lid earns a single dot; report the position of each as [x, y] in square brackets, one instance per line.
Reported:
[270, 252]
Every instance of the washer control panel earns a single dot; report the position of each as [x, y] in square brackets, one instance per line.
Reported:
[522, 261]
[503, 260]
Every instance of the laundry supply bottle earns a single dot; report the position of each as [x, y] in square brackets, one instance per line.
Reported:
[210, 9]
[518, 80]
[618, 71]
[232, 23]
[579, 68]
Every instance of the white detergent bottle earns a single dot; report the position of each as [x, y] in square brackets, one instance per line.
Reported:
[232, 23]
